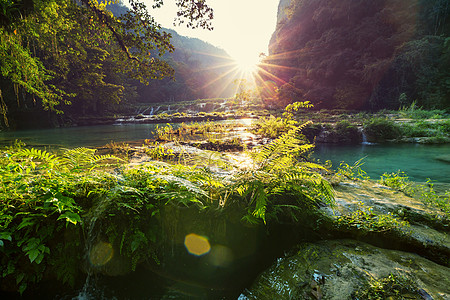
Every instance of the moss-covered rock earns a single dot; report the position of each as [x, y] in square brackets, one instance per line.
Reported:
[343, 269]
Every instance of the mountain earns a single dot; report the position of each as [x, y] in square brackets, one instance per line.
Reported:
[201, 71]
[361, 54]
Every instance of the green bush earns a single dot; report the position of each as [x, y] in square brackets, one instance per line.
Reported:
[346, 133]
[380, 129]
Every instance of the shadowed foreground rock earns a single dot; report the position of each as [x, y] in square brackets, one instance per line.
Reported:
[339, 269]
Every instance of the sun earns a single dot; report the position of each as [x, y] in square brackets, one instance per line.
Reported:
[247, 63]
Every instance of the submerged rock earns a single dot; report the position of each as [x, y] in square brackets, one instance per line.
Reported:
[343, 269]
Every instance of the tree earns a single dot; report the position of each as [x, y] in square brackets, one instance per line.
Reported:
[41, 39]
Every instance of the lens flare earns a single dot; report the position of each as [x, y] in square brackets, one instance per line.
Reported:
[220, 256]
[196, 244]
[101, 253]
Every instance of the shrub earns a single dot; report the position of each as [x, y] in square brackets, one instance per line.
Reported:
[380, 129]
[346, 133]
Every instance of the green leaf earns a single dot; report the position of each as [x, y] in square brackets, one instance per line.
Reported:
[39, 258]
[33, 254]
[70, 217]
[22, 288]
[135, 244]
[25, 222]
[19, 278]
[5, 236]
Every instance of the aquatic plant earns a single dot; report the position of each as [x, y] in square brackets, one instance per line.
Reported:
[271, 127]
[354, 172]
[398, 181]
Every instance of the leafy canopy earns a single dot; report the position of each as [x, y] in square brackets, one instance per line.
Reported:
[41, 39]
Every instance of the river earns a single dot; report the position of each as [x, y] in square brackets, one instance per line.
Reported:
[418, 161]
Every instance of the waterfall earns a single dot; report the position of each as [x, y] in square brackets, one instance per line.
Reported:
[364, 139]
[168, 108]
[90, 291]
[151, 112]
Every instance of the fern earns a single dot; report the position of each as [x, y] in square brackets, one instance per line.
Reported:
[84, 158]
[281, 172]
[42, 157]
[282, 152]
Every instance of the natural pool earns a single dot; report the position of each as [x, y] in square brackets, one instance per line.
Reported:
[418, 161]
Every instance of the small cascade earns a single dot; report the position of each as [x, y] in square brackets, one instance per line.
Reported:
[90, 291]
[168, 108]
[151, 111]
[364, 138]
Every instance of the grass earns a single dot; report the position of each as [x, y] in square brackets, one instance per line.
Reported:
[424, 192]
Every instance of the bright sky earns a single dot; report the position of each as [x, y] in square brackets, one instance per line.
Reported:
[241, 27]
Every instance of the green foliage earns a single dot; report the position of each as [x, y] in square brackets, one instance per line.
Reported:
[282, 178]
[158, 152]
[358, 60]
[422, 128]
[365, 220]
[398, 181]
[39, 193]
[353, 172]
[270, 127]
[414, 112]
[164, 133]
[380, 129]
[346, 132]
[49, 200]
[425, 193]
[273, 127]
[52, 51]
[391, 287]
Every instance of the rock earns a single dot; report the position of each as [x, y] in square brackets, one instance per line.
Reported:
[339, 269]
[444, 158]
[427, 233]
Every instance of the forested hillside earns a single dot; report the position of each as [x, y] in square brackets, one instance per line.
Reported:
[60, 60]
[201, 71]
[362, 54]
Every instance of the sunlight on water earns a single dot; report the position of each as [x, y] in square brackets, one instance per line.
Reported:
[196, 244]
[101, 253]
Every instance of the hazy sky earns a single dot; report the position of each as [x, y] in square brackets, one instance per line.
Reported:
[241, 27]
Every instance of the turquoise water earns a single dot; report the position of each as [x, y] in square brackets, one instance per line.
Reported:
[83, 136]
[418, 161]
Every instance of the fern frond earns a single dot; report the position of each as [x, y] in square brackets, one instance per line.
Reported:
[84, 158]
[37, 154]
[182, 183]
[282, 152]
